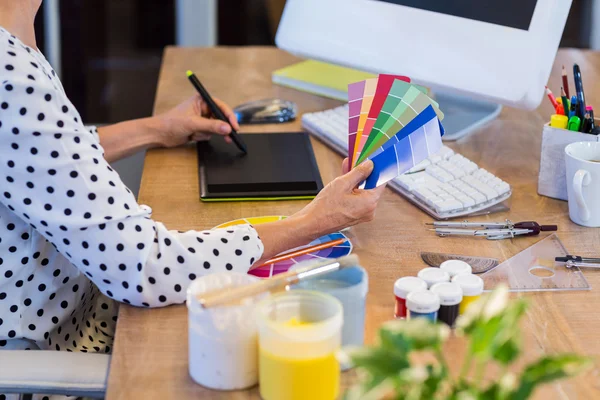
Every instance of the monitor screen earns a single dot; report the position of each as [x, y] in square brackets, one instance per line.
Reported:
[510, 13]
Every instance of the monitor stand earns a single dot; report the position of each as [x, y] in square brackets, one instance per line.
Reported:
[463, 115]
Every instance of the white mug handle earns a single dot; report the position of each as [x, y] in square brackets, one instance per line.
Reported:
[582, 178]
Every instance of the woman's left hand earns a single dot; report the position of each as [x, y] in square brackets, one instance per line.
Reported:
[190, 122]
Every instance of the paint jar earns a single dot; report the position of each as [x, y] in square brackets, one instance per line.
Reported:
[431, 276]
[223, 341]
[456, 267]
[472, 287]
[423, 304]
[450, 295]
[350, 287]
[299, 332]
[402, 287]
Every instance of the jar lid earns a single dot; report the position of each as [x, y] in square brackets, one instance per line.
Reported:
[471, 285]
[456, 267]
[423, 301]
[449, 292]
[407, 284]
[433, 275]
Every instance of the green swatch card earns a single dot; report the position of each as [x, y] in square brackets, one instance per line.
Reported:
[407, 108]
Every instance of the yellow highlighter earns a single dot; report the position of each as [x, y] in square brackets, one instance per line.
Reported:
[559, 121]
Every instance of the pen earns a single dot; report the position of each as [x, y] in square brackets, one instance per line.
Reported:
[551, 98]
[565, 82]
[579, 91]
[216, 111]
[573, 108]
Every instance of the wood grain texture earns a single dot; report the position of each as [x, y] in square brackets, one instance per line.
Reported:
[150, 354]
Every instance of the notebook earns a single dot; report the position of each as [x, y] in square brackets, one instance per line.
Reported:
[319, 78]
[278, 166]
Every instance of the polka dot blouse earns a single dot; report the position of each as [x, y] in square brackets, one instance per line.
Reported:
[73, 239]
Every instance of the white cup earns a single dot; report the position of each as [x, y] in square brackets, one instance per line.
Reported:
[583, 182]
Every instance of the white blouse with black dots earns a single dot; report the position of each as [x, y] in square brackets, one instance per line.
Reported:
[72, 236]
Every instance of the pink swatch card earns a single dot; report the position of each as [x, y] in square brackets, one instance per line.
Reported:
[367, 100]
[355, 97]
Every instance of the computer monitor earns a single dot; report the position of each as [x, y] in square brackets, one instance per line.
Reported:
[472, 53]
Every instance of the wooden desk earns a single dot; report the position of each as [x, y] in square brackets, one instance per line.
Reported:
[150, 355]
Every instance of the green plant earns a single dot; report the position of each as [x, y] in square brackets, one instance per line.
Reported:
[491, 326]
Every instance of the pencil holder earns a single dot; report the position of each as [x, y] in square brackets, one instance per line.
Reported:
[551, 180]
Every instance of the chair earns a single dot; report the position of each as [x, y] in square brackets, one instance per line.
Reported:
[53, 372]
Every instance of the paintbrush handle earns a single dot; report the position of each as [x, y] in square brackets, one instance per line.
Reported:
[302, 251]
[226, 296]
[229, 294]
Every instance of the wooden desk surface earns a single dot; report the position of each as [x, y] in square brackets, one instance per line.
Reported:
[150, 356]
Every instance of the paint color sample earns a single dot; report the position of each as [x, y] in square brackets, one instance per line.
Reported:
[403, 115]
[398, 91]
[370, 86]
[409, 106]
[355, 97]
[405, 154]
[384, 84]
[418, 122]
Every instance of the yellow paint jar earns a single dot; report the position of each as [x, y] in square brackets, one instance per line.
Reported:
[472, 287]
[299, 333]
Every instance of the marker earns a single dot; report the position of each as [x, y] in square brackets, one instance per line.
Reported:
[579, 91]
[216, 111]
[590, 110]
[551, 97]
[559, 121]
[565, 100]
[560, 110]
[573, 108]
[574, 123]
[585, 127]
[565, 82]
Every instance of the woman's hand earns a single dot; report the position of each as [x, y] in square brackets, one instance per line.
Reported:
[340, 204]
[190, 122]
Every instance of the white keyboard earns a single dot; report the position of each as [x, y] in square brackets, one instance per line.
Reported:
[445, 185]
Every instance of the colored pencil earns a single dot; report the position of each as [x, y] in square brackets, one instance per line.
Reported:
[565, 81]
[551, 98]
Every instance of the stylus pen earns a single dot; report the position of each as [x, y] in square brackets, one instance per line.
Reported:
[216, 111]
[579, 92]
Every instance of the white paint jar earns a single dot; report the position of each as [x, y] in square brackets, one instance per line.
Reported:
[223, 340]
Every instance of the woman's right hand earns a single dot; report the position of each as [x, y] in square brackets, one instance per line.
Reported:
[340, 204]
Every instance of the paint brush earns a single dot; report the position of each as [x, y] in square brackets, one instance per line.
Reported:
[231, 295]
[301, 251]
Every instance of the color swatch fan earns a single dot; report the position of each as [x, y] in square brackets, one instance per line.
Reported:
[393, 123]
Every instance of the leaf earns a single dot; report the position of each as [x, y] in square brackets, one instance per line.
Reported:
[379, 361]
[420, 333]
[548, 369]
[508, 352]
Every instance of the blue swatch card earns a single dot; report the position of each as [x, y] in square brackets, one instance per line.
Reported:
[425, 116]
[406, 149]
